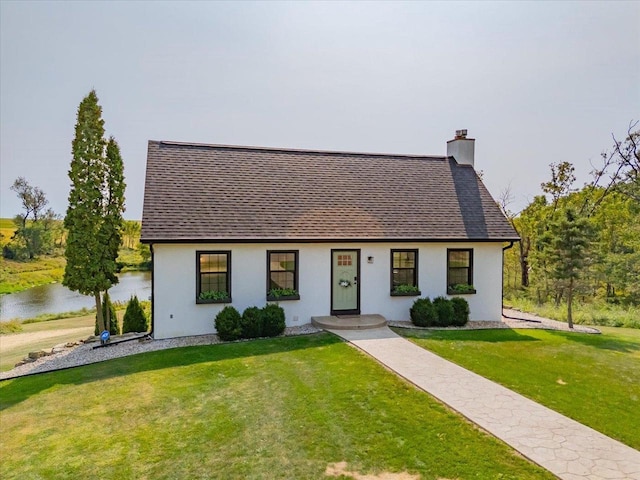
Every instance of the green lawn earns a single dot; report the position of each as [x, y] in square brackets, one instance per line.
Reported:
[594, 379]
[278, 408]
[58, 331]
[592, 313]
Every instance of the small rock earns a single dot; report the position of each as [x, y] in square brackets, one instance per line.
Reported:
[20, 363]
[57, 350]
[38, 354]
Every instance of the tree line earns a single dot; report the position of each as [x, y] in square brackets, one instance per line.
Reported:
[581, 242]
[41, 232]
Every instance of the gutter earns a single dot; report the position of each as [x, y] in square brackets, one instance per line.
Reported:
[504, 249]
[511, 244]
[153, 303]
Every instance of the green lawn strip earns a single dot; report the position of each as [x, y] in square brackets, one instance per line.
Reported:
[16, 276]
[83, 327]
[594, 379]
[594, 313]
[279, 408]
[131, 259]
[48, 317]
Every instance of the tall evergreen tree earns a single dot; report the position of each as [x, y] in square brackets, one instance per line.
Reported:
[568, 240]
[96, 202]
[113, 206]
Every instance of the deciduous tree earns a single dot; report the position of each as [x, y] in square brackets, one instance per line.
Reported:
[620, 168]
[34, 226]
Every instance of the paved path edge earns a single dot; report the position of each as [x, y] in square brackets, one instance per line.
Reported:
[547, 438]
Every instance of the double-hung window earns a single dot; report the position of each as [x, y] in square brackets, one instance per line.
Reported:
[282, 274]
[404, 272]
[213, 276]
[460, 270]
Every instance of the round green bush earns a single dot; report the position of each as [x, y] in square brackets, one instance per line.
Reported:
[460, 311]
[251, 323]
[134, 320]
[228, 323]
[273, 320]
[423, 314]
[444, 307]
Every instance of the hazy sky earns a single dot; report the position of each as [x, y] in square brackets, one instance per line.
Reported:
[533, 83]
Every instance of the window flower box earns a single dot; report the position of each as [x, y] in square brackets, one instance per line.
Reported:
[405, 291]
[212, 296]
[282, 294]
[461, 289]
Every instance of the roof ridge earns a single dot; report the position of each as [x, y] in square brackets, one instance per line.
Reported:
[296, 150]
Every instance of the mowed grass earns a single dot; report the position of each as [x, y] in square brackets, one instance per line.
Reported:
[59, 331]
[278, 408]
[594, 379]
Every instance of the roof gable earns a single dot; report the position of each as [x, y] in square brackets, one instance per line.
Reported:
[199, 192]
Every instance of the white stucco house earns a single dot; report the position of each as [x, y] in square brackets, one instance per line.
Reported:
[334, 232]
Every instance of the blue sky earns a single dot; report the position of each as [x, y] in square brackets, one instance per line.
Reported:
[533, 83]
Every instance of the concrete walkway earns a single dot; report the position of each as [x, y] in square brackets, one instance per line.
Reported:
[563, 446]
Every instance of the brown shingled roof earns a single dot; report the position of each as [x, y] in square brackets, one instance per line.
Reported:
[199, 192]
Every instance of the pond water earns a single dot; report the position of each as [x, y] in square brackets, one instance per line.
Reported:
[55, 298]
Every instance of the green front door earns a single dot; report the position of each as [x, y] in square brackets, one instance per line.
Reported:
[345, 298]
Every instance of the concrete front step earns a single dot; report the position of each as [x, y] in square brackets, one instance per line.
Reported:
[349, 322]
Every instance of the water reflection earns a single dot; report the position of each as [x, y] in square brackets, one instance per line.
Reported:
[55, 298]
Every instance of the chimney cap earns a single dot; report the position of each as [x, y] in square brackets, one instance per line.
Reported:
[461, 133]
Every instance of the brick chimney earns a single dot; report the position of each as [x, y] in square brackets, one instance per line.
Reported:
[461, 148]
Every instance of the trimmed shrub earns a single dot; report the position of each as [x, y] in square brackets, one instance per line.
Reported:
[114, 327]
[423, 314]
[460, 311]
[228, 323]
[251, 323]
[444, 307]
[273, 320]
[135, 320]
